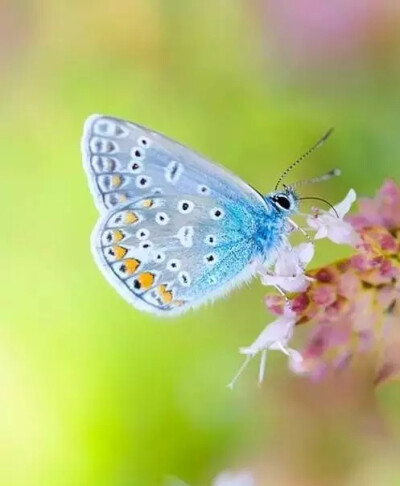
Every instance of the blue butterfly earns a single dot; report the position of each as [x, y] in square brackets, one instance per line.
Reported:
[175, 229]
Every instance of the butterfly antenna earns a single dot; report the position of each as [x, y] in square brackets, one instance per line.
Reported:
[313, 180]
[320, 199]
[302, 157]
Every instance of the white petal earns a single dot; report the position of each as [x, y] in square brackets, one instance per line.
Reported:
[305, 252]
[343, 233]
[321, 233]
[287, 264]
[299, 283]
[344, 206]
[280, 330]
[296, 362]
[313, 222]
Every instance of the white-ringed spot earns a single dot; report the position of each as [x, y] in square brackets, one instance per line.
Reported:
[145, 245]
[173, 171]
[135, 167]
[142, 234]
[210, 240]
[174, 265]
[137, 153]
[184, 279]
[204, 190]
[210, 259]
[185, 236]
[159, 257]
[162, 218]
[217, 213]
[142, 181]
[144, 142]
[185, 206]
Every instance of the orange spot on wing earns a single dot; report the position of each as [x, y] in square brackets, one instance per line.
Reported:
[146, 280]
[116, 181]
[130, 266]
[165, 295]
[118, 235]
[130, 217]
[147, 203]
[161, 289]
[119, 252]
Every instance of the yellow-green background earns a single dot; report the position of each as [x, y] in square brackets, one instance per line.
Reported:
[93, 392]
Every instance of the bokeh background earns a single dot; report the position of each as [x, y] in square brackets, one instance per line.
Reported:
[93, 392]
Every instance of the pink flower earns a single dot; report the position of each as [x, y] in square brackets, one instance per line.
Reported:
[330, 224]
[353, 304]
[384, 210]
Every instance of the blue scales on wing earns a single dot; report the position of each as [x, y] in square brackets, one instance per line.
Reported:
[168, 253]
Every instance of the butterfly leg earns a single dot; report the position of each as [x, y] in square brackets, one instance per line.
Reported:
[283, 294]
[296, 227]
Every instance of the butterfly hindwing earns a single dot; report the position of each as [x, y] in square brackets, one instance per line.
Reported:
[165, 254]
[125, 161]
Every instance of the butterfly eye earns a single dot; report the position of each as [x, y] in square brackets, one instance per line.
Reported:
[283, 202]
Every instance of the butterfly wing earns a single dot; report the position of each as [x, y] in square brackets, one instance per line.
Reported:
[125, 161]
[165, 254]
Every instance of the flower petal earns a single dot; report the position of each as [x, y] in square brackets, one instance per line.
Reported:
[280, 330]
[342, 233]
[344, 206]
[305, 252]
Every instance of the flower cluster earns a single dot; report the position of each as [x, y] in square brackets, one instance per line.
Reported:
[351, 304]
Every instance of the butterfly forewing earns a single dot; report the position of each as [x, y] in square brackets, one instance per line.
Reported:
[125, 161]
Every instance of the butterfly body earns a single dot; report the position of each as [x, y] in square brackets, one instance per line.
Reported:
[175, 229]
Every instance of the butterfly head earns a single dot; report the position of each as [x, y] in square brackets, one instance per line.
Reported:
[284, 201]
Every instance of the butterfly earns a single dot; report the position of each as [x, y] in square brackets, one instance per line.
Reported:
[175, 230]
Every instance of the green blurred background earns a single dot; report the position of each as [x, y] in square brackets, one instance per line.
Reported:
[93, 392]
